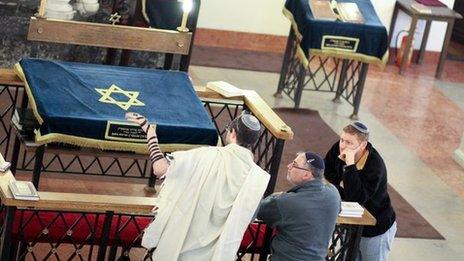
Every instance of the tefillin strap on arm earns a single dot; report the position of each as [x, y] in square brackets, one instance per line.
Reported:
[153, 146]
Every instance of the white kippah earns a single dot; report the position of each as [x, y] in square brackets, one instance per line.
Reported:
[251, 122]
[361, 127]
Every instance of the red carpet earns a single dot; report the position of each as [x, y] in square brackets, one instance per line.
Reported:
[312, 133]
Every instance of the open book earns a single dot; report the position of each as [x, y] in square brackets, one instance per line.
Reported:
[332, 10]
[23, 190]
[322, 10]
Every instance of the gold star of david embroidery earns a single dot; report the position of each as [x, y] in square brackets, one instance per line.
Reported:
[132, 95]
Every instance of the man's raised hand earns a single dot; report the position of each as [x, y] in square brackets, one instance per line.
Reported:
[140, 120]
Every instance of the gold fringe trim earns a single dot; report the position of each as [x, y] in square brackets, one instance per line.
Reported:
[19, 71]
[331, 53]
[290, 17]
[140, 148]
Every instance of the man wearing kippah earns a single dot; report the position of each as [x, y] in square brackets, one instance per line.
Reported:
[360, 175]
[304, 216]
[208, 197]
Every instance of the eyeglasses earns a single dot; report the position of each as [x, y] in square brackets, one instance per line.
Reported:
[295, 165]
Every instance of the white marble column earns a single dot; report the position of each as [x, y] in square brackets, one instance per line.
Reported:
[459, 153]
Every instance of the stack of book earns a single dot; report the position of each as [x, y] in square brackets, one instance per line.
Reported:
[23, 190]
[351, 209]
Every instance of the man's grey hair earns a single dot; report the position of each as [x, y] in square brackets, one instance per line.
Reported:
[317, 173]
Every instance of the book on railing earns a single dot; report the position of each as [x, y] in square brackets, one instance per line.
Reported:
[23, 190]
[225, 89]
[421, 8]
[351, 209]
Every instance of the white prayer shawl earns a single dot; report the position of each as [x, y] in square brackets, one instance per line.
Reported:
[205, 205]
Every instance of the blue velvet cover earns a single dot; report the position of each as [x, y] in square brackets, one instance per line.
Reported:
[68, 102]
[372, 34]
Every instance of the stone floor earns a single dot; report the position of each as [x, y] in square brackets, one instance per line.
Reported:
[416, 122]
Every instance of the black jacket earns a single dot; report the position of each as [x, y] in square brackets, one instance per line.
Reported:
[367, 186]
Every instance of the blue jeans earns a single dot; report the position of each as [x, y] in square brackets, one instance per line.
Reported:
[376, 248]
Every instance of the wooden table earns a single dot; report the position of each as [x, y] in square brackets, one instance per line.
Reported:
[438, 14]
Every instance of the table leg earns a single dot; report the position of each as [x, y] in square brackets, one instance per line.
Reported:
[359, 90]
[125, 58]
[424, 40]
[274, 170]
[39, 154]
[412, 29]
[263, 255]
[341, 81]
[22, 250]
[356, 239]
[168, 59]
[7, 229]
[300, 85]
[110, 56]
[392, 24]
[444, 49]
[17, 142]
[284, 69]
[15, 156]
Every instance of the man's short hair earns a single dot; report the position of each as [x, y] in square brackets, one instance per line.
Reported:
[317, 173]
[247, 129]
[358, 129]
[315, 164]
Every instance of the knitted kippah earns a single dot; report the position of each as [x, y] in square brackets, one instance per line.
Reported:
[360, 127]
[251, 122]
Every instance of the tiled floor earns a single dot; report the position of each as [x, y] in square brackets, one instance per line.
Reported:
[416, 122]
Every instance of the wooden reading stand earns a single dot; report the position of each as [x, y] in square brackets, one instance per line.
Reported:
[114, 36]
